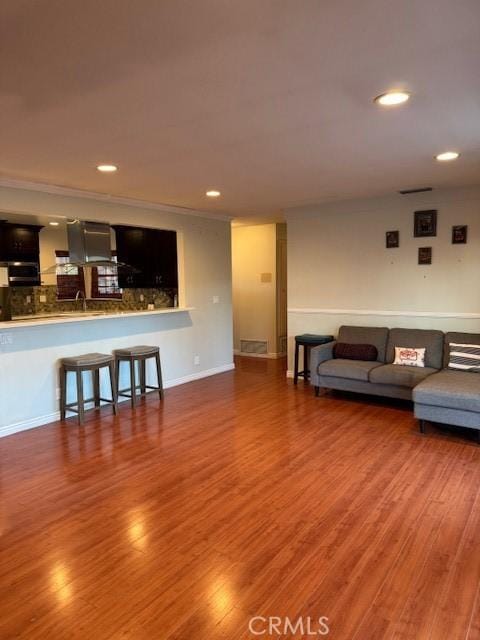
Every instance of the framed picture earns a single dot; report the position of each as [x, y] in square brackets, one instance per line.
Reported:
[392, 239]
[425, 224]
[459, 234]
[425, 255]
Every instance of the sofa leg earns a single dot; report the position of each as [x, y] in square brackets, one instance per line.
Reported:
[422, 425]
[317, 393]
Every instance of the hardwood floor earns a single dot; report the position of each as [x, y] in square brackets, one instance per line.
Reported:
[240, 496]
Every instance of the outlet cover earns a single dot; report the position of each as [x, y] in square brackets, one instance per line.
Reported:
[43, 299]
[196, 360]
[28, 300]
[6, 338]
[216, 299]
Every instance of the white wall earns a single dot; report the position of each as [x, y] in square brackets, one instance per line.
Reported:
[339, 271]
[28, 367]
[254, 250]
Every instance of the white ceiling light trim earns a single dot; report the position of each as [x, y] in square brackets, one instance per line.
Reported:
[392, 98]
[447, 155]
[107, 168]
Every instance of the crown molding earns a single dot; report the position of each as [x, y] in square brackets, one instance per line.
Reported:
[70, 192]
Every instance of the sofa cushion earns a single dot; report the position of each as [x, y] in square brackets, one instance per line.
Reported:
[351, 369]
[459, 338]
[400, 375]
[365, 335]
[432, 340]
[366, 352]
[450, 389]
[465, 357]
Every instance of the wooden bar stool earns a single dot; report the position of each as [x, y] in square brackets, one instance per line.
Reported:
[307, 341]
[132, 355]
[78, 364]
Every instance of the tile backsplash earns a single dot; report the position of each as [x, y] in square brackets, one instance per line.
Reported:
[43, 299]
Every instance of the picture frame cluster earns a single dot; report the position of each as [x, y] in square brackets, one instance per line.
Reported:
[425, 226]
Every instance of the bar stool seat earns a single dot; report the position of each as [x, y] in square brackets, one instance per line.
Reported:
[92, 362]
[307, 341]
[141, 350]
[88, 360]
[140, 354]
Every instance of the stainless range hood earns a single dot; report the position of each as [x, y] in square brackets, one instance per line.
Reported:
[89, 243]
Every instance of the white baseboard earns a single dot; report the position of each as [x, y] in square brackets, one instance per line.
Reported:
[198, 376]
[272, 356]
[39, 421]
[31, 423]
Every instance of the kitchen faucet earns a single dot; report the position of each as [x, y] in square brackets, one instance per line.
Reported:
[81, 294]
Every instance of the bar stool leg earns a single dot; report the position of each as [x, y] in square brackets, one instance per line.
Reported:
[80, 403]
[159, 376]
[132, 382]
[111, 371]
[96, 386]
[143, 374]
[295, 372]
[63, 397]
[305, 363]
[117, 375]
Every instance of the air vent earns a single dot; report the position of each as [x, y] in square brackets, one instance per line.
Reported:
[253, 346]
[406, 192]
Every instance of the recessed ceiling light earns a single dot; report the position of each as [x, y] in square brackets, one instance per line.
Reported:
[54, 224]
[107, 168]
[392, 98]
[447, 155]
[213, 193]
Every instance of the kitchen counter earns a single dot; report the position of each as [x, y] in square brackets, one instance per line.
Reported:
[82, 316]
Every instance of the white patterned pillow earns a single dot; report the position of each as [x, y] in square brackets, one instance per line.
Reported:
[410, 356]
[464, 356]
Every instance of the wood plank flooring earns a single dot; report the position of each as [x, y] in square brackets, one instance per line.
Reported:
[240, 496]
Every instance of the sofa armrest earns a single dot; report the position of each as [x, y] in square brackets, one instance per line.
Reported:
[319, 354]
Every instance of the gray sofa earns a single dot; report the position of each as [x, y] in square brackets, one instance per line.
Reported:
[440, 395]
[450, 396]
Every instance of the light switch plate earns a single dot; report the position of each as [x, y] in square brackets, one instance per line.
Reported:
[216, 299]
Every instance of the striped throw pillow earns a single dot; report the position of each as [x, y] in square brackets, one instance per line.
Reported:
[464, 356]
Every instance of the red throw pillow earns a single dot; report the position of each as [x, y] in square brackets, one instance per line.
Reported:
[355, 351]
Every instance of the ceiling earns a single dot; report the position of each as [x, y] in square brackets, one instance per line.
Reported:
[269, 101]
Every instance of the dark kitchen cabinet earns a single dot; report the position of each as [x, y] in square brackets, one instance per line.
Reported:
[150, 256]
[19, 243]
[20, 247]
[163, 258]
[130, 252]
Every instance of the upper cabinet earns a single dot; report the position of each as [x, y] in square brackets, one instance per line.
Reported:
[20, 247]
[19, 243]
[151, 255]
